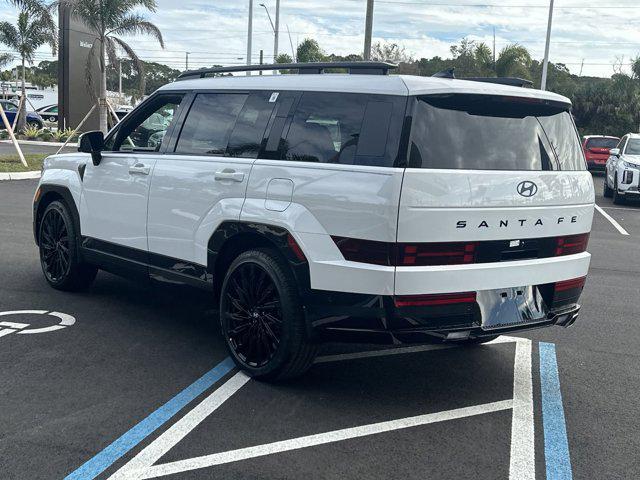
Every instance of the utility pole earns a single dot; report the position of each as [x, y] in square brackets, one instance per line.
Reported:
[249, 34]
[120, 78]
[276, 32]
[368, 29]
[545, 64]
[293, 50]
[494, 48]
[186, 62]
[261, 59]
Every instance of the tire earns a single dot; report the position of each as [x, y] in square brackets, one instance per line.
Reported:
[59, 251]
[617, 198]
[37, 125]
[607, 192]
[262, 318]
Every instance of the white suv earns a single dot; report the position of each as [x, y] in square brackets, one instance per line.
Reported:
[622, 172]
[360, 206]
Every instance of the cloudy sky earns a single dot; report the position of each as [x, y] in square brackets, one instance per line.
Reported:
[588, 35]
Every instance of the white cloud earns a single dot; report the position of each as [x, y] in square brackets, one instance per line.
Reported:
[215, 31]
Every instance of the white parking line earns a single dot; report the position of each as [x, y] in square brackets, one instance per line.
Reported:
[612, 221]
[522, 458]
[322, 439]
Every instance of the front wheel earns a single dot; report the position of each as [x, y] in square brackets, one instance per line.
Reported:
[262, 318]
[607, 192]
[617, 198]
[59, 251]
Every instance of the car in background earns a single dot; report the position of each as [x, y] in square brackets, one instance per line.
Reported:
[596, 150]
[622, 173]
[49, 113]
[11, 110]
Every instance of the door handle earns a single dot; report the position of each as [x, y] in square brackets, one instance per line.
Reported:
[229, 175]
[139, 169]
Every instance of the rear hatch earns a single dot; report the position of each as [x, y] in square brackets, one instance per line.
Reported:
[597, 149]
[505, 174]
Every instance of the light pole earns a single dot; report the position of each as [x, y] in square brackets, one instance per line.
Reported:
[186, 60]
[249, 34]
[545, 63]
[276, 27]
[368, 29]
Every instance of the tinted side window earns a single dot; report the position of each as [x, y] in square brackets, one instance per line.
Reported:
[345, 128]
[209, 123]
[248, 133]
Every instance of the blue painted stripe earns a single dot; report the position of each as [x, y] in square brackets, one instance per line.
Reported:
[556, 446]
[107, 457]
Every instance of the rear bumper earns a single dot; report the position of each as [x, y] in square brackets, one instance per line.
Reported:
[596, 164]
[490, 276]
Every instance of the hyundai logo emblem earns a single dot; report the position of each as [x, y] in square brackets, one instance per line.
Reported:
[527, 189]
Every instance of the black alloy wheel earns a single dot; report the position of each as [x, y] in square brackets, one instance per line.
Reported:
[262, 318]
[55, 251]
[254, 314]
[61, 263]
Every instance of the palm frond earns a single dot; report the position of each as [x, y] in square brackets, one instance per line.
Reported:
[5, 58]
[137, 24]
[9, 35]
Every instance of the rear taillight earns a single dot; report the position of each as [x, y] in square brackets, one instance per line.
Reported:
[427, 254]
[365, 251]
[406, 254]
[576, 283]
[295, 248]
[435, 300]
[572, 244]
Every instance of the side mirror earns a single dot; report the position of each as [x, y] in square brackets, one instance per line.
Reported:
[614, 152]
[93, 143]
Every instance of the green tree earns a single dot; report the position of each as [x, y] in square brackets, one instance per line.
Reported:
[109, 20]
[514, 61]
[156, 75]
[309, 51]
[34, 28]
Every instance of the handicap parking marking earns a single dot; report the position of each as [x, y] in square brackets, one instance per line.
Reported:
[6, 328]
[611, 220]
[522, 454]
[556, 445]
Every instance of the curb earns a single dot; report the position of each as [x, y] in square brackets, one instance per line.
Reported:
[39, 144]
[19, 176]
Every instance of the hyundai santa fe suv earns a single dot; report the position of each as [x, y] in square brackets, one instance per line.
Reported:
[361, 206]
[622, 170]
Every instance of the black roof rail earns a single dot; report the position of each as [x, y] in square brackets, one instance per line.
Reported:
[365, 68]
[511, 81]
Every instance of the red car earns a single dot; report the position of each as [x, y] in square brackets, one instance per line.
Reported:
[596, 150]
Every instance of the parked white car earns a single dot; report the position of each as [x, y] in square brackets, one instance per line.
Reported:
[622, 177]
[361, 206]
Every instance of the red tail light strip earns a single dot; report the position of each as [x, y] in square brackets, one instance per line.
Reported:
[435, 300]
[443, 253]
[570, 284]
[572, 244]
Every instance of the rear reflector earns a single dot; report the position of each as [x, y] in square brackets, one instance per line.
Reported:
[572, 244]
[434, 300]
[295, 248]
[570, 284]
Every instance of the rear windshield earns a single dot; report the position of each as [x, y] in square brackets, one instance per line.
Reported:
[602, 142]
[478, 132]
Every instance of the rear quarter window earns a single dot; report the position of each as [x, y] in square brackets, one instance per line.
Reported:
[346, 129]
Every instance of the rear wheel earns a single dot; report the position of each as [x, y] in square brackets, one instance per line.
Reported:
[59, 251]
[262, 317]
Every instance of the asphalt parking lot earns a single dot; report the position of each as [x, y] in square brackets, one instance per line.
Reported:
[133, 381]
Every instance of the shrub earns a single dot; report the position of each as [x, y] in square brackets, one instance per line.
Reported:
[31, 132]
[46, 134]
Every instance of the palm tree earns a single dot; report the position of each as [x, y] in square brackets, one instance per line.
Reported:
[110, 19]
[35, 27]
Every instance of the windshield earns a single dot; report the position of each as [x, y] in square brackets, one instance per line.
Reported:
[479, 132]
[633, 147]
[602, 142]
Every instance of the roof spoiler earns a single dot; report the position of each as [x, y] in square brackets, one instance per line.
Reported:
[363, 68]
[511, 81]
